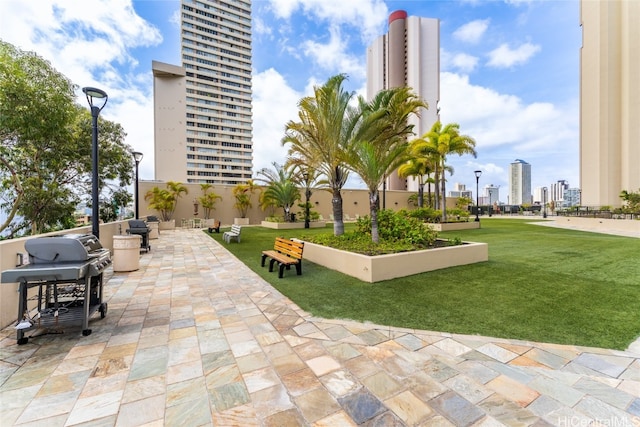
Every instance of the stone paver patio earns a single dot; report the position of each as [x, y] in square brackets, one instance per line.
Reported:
[196, 338]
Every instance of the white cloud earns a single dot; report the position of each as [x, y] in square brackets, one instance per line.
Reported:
[464, 62]
[504, 56]
[368, 16]
[472, 32]
[333, 55]
[274, 104]
[506, 128]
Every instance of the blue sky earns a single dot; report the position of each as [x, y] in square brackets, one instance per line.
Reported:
[509, 69]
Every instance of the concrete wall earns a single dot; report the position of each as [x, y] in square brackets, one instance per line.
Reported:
[355, 202]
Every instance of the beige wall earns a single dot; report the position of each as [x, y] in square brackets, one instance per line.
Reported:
[355, 202]
[609, 100]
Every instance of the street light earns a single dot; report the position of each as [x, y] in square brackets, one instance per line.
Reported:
[478, 173]
[544, 202]
[137, 157]
[307, 195]
[91, 93]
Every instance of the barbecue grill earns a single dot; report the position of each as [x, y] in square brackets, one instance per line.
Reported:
[67, 272]
[139, 227]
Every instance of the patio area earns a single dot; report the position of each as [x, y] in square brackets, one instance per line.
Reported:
[196, 338]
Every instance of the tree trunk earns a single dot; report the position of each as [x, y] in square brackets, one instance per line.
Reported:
[373, 209]
[437, 188]
[444, 195]
[420, 195]
[338, 223]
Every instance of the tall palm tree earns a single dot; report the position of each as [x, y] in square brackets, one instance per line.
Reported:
[320, 136]
[438, 143]
[379, 144]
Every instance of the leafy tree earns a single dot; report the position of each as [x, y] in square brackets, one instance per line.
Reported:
[208, 200]
[463, 202]
[439, 143]
[164, 200]
[281, 190]
[420, 168]
[319, 138]
[242, 193]
[379, 144]
[631, 201]
[46, 167]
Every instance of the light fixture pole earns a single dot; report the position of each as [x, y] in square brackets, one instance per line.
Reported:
[544, 202]
[307, 195]
[478, 173]
[137, 157]
[91, 93]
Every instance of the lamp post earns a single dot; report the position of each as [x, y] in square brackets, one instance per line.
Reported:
[91, 93]
[137, 157]
[307, 195]
[544, 202]
[478, 173]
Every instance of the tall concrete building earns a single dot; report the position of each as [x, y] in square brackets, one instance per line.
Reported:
[609, 100]
[203, 116]
[408, 55]
[556, 192]
[520, 183]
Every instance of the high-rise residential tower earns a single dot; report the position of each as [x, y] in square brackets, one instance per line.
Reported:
[203, 117]
[408, 55]
[609, 94]
[520, 183]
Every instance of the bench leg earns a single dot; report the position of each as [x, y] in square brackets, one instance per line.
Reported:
[281, 270]
[264, 258]
[271, 264]
[299, 268]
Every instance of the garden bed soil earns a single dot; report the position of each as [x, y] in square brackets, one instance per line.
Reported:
[292, 225]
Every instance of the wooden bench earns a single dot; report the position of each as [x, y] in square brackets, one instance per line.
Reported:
[215, 227]
[286, 253]
[234, 233]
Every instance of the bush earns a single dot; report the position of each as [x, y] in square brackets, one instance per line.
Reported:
[398, 226]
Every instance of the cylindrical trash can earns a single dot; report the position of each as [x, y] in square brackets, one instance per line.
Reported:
[126, 252]
[155, 230]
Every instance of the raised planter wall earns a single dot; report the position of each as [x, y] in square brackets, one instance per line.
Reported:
[384, 267]
[292, 225]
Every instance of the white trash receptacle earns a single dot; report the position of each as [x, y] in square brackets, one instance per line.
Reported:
[126, 252]
[155, 230]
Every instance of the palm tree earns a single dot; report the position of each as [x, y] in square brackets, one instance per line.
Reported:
[281, 190]
[438, 143]
[208, 200]
[379, 144]
[165, 200]
[319, 138]
[420, 168]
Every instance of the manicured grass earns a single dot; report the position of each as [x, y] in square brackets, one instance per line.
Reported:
[540, 284]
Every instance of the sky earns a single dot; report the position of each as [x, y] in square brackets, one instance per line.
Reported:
[509, 69]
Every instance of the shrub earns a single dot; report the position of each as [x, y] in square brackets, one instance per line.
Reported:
[398, 226]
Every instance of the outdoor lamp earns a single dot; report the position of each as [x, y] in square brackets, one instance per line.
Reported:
[98, 94]
[137, 157]
[478, 173]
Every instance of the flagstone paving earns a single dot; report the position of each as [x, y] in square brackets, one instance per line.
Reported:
[196, 338]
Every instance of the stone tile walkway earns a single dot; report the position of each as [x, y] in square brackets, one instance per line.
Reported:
[196, 338]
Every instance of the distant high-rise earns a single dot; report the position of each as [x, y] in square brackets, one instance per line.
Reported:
[520, 183]
[408, 55]
[557, 190]
[203, 116]
[609, 107]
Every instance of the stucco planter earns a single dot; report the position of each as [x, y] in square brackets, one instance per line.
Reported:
[241, 221]
[292, 225]
[384, 267]
[167, 225]
[454, 226]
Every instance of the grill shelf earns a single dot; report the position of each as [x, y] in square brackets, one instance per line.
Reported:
[69, 297]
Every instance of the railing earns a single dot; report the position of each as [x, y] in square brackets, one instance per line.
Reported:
[586, 212]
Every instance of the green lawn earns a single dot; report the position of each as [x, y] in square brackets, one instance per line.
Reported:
[540, 284]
